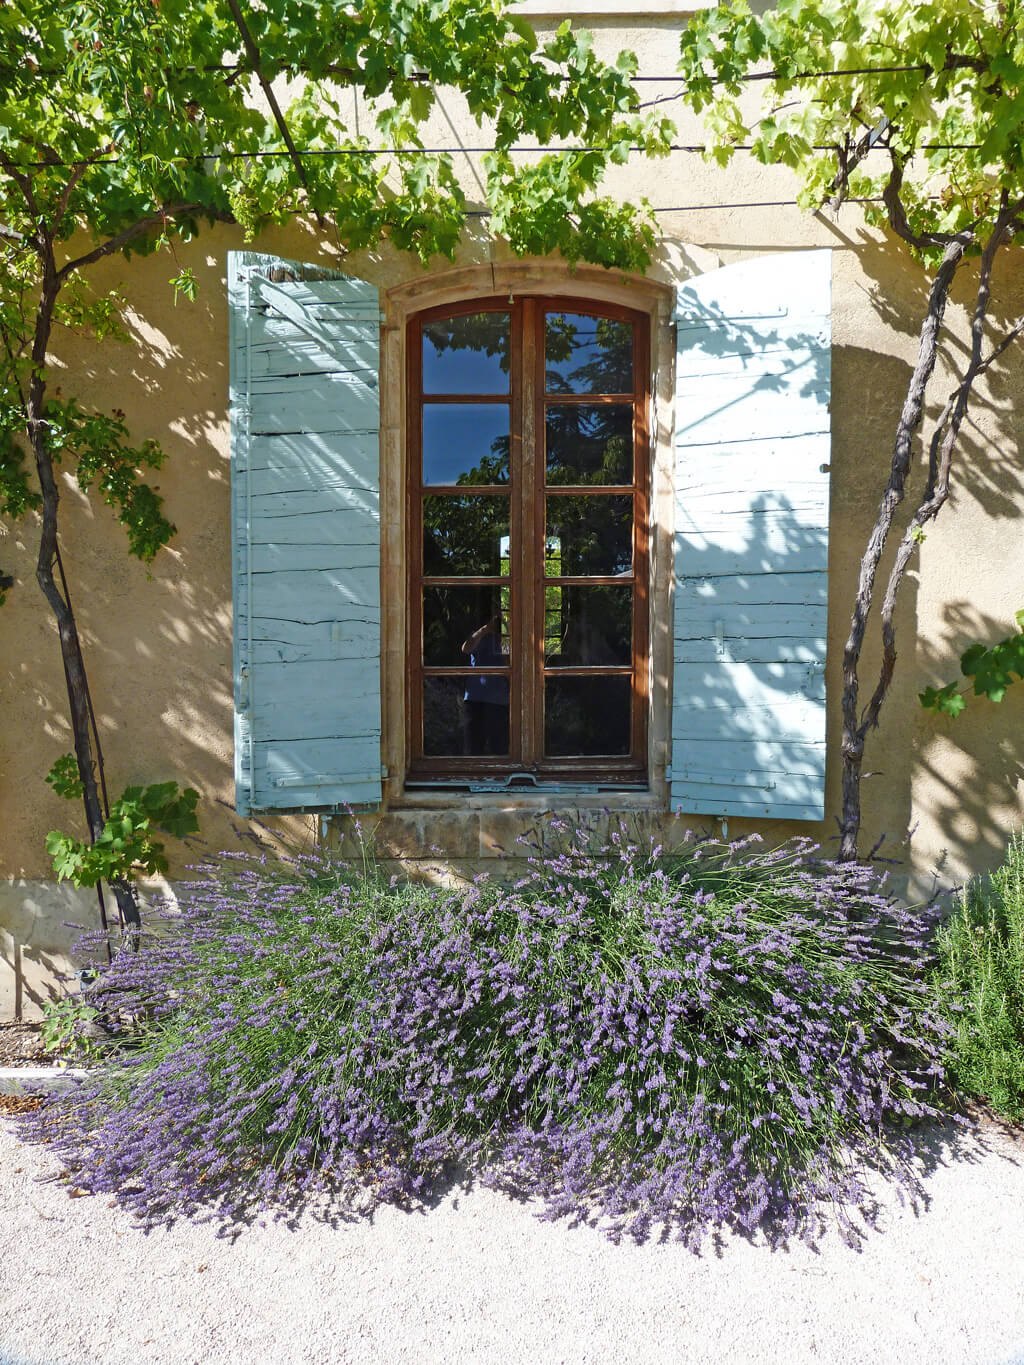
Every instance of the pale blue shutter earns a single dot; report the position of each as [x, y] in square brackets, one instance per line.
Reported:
[305, 461]
[751, 538]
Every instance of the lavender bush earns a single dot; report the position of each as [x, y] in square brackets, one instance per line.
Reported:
[705, 1040]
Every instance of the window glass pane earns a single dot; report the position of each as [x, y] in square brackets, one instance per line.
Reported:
[589, 536]
[584, 354]
[586, 716]
[465, 443]
[465, 536]
[465, 715]
[466, 354]
[465, 627]
[588, 626]
[589, 443]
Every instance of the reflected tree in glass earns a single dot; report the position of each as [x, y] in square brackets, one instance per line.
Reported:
[467, 353]
[589, 443]
[586, 354]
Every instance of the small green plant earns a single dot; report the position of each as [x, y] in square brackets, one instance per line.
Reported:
[126, 847]
[981, 981]
[993, 668]
[68, 1029]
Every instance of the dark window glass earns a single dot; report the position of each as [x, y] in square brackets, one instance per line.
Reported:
[452, 621]
[465, 443]
[589, 536]
[524, 482]
[465, 536]
[466, 715]
[585, 354]
[588, 626]
[587, 717]
[468, 353]
[589, 443]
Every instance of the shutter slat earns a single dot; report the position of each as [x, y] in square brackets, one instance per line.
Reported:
[306, 525]
[751, 539]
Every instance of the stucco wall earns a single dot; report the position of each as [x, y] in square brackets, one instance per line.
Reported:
[158, 643]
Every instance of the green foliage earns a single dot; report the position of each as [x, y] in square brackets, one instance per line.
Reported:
[939, 87]
[993, 668]
[98, 443]
[126, 848]
[133, 122]
[65, 779]
[185, 285]
[980, 977]
[67, 1029]
[158, 107]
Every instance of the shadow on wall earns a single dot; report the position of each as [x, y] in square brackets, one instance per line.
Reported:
[158, 643]
[159, 651]
[966, 773]
[974, 765]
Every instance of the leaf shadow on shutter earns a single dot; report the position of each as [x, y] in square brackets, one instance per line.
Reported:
[306, 527]
[751, 561]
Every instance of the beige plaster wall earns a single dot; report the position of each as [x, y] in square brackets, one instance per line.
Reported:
[158, 643]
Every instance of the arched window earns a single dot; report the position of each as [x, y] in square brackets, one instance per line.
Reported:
[528, 479]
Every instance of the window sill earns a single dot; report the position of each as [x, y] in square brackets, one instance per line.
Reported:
[453, 801]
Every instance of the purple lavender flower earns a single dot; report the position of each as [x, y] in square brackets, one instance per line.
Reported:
[686, 1040]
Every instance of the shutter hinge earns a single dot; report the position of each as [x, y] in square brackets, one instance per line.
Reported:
[243, 688]
[383, 770]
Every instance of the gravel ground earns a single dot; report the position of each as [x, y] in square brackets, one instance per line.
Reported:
[21, 1045]
[479, 1278]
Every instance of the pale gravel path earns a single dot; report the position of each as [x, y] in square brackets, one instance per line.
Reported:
[480, 1279]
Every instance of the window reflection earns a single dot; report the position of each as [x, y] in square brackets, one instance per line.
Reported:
[468, 353]
[466, 715]
[589, 627]
[587, 716]
[465, 443]
[585, 354]
[589, 443]
[595, 534]
[564, 685]
[453, 615]
[465, 536]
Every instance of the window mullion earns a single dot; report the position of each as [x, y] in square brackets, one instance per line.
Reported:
[531, 516]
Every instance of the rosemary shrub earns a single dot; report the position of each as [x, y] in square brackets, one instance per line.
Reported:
[980, 976]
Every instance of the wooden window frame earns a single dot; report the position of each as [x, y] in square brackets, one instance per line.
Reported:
[528, 492]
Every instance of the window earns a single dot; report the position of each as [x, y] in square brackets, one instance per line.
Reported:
[527, 479]
[486, 463]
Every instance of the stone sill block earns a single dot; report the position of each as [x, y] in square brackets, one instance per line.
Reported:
[39, 1080]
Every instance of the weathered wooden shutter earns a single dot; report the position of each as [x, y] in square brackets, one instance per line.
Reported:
[751, 538]
[305, 461]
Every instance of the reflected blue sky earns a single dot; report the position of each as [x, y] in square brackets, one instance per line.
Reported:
[467, 441]
[466, 354]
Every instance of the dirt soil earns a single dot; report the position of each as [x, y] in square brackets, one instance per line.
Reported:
[22, 1045]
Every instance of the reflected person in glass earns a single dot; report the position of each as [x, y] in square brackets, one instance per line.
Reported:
[486, 699]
